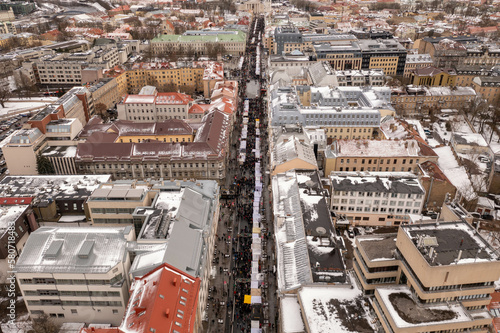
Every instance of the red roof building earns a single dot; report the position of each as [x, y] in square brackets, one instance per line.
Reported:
[163, 300]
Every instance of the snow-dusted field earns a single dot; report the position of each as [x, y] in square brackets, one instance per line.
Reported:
[15, 106]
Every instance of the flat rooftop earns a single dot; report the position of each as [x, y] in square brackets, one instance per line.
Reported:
[48, 188]
[378, 247]
[407, 312]
[453, 243]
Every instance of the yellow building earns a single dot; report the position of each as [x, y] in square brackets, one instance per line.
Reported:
[173, 130]
[419, 100]
[434, 77]
[488, 87]
[167, 77]
[388, 64]
[448, 269]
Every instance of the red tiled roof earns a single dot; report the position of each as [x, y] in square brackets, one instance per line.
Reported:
[15, 200]
[161, 301]
[433, 170]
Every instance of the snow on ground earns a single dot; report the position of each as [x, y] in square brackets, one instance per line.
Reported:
[22, 324]
[455, 173]
[34, 99]
[21, 106]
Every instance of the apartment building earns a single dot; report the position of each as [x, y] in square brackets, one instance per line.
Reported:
[76, 68]
[414, 61]
[344, 112]
[172, 291]
[360, 78]
[488, 87]
[234, 42]
[376, 198]
[418, 100]
[467, 73]
[377, 155]
[203, 158]
[76, 274]
[182, 224]
[446, 268]
[152, 106]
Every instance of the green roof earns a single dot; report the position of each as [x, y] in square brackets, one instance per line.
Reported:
[211, 36]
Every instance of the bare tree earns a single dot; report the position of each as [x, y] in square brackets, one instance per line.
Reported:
[5, 93]
[101, 110]
[44, 324]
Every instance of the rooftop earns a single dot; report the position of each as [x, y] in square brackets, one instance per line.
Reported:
[9, 214]
[382, 182]
[335, 308]
[74, 250]
[47, 188]
[378, 247]
[453, 243]
[407, 312]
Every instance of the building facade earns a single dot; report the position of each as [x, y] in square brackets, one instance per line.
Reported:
[376, 198]
[414, 267]
[74, 275]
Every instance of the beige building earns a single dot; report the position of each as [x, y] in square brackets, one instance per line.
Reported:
[414, 61]
[73, 274]
[233, 42]
[446, 269]
[488, 87]
[377, 155]
[418, 100]
[21, 150]
[376, 198]
[152, 106]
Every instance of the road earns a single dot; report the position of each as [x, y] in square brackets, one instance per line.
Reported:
[227, 312]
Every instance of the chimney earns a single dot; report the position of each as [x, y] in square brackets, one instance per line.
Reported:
[459, 255]
[167, 312]
[174, 282]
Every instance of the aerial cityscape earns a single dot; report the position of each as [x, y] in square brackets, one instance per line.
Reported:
[249, 166]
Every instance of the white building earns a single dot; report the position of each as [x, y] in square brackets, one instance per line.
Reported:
[151, 106]
[376, 198]
[76, 274]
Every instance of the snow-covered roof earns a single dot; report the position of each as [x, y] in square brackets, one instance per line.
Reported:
[73, 250]
[456, 243]
[455, 173]
[382, 182]
[331, 309]
[9, 215]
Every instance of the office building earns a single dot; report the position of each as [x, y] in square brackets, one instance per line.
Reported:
[76, 274]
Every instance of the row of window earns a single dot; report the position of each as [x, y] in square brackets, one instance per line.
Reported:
[85, 293]
[157, 166]
[56, 302]
[375, 169]
[378, 202]
[375, 210]
[71, 281]
[378, 195]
